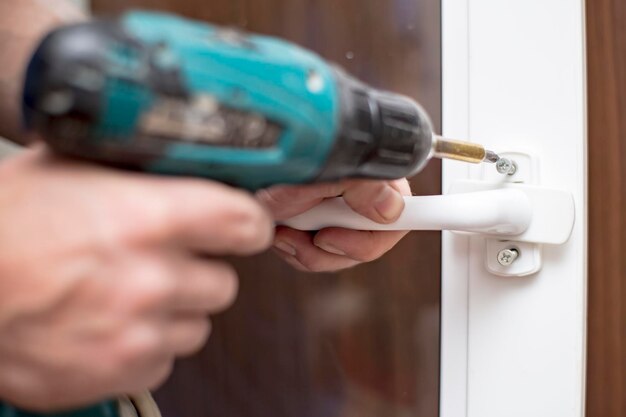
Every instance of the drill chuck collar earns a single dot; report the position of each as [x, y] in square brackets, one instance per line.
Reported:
[383, 135]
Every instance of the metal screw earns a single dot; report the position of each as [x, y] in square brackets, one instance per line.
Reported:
[506, 166]
[507, 256]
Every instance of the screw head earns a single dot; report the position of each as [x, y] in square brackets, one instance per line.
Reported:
[506, 257]
[506, 166]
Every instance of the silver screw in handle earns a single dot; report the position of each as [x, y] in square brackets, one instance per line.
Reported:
[506, 166]
[507, 256]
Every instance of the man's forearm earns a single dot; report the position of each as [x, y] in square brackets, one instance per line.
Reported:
[22, 24]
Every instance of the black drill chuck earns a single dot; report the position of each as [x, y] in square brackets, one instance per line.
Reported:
[383, 135]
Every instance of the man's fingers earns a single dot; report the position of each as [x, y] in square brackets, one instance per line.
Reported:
[204, 286]
[285, 202]
[380, 201]
[212, 218]
[186, 334]
[334, 249]
[166, 282]
[362, 246]
[297, 249]
[144, 209]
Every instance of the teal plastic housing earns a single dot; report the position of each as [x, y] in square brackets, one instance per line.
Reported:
[283, 82]
[105, 409]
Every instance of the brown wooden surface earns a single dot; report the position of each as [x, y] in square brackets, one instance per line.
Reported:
[606, 49]
[360, 343]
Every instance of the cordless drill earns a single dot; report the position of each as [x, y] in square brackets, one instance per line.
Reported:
[162, 94]
[157, 93]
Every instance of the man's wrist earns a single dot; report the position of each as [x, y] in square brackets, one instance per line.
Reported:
[64, 11]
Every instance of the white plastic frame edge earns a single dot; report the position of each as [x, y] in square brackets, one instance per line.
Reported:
[457, 396]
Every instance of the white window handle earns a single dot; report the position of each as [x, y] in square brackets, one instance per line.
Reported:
[527, 213]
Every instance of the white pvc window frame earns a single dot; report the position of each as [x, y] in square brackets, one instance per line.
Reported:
[514, 79]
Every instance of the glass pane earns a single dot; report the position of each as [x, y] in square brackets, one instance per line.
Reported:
[359, 343]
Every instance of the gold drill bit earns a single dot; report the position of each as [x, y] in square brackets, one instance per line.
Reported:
[472, 153]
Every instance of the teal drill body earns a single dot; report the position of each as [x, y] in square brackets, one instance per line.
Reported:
[268, 79]
[280, 101]
[104, 409]
[158, 93]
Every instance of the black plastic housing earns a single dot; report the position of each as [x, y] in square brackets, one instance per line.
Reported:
[383, 135]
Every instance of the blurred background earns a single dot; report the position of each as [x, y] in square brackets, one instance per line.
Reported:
[364, 342]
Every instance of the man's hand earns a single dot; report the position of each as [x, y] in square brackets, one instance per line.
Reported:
[334, 248]
[105, 276]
